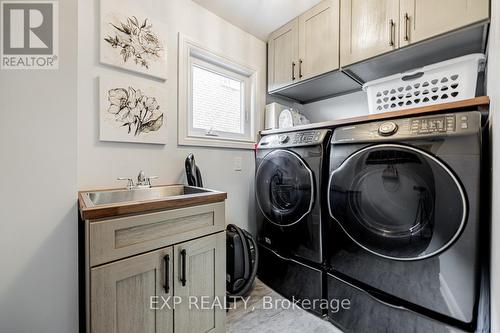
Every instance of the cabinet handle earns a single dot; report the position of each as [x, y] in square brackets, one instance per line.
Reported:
[166, 261]
[407, 27]
[293, 70]
[183, 267]
[300, 68]
[391, 32]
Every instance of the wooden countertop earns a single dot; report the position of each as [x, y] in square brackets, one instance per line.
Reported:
[174, 199]
[478, 104]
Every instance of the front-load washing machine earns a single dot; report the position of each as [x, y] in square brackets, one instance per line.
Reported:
[404, 234]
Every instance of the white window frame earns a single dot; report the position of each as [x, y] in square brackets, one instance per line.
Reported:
[245, 107]
[192, 53]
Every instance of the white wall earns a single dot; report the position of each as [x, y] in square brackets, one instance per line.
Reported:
[38, 216]
[351, 105]
[493, 76]
[345, 106]
[49, 149]
[99, 163]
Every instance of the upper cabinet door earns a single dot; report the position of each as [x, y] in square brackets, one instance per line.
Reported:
[319, 39]
[369, 28]
[200, 275]
[283, 56]
[422, 19]
[121, 294]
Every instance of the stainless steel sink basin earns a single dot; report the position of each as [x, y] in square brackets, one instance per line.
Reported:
[111, 197]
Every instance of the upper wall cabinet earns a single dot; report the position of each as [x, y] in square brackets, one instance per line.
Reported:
[305, 47]
[283, 55]
[367, 40]
[368, 28]
[422, 19]
[319, 39]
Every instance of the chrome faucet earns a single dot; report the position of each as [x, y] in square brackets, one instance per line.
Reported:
[142, 181]
[141, 178]
[130, 182]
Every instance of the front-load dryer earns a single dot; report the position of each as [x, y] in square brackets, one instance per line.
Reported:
[403, 238]
[291, 177]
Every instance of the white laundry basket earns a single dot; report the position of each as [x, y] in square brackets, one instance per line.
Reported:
[447, 81]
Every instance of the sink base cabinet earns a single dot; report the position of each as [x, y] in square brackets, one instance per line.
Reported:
[200, 282]
[178, 287]
[121, 294]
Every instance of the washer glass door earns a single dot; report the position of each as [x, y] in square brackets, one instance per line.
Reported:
[285, 187]
[397, 201]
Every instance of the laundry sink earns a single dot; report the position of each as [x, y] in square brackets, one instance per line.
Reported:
[154, 193]
[108, 203]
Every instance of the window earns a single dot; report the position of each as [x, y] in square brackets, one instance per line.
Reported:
[218, 102]
[216, 99]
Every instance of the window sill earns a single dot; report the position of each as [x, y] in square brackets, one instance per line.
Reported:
[216, 143]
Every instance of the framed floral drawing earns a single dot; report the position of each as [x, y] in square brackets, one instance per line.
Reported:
[132, 110]
[132, 40]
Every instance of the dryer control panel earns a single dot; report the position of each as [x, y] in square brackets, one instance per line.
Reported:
[463, 123]
[294, 139]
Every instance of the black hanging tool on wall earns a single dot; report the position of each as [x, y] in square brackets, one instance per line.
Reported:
[193, 173]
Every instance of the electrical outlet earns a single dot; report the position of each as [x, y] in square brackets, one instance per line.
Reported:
[238, 163]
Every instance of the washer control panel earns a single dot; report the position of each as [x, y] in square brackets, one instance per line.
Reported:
[294, 139]
[410, 128]
[441, 124]
[388, 128]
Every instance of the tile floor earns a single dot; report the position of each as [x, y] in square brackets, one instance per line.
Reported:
[255, 318]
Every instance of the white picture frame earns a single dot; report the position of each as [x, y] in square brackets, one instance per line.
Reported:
[132, 40]
[132, 110]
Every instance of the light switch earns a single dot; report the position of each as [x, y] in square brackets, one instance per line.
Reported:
[237, 163]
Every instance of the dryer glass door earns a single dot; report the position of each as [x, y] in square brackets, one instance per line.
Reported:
[398, 202]
[285, 187]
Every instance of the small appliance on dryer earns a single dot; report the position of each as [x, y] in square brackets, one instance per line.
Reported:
[291, 174]
[403, 238]
[272, 115]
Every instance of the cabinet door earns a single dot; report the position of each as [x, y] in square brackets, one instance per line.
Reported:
[283, 56]
[319, 39]
[368, 28]
[422, 19]
[200, 281]
[121, 294]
